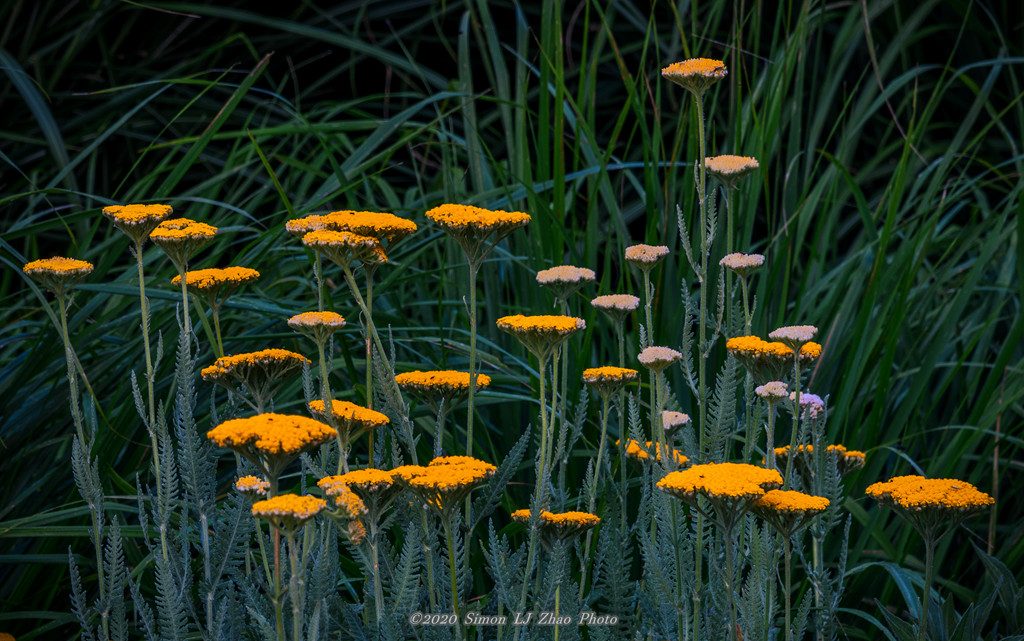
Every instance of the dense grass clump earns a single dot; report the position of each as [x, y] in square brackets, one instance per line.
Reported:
[887, 202]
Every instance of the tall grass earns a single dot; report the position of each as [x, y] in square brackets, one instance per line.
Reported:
[889, 203]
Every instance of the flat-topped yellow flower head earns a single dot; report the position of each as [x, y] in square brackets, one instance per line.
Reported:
[288, 512]
[695, 75]
[731, 488]
[788, 511]
[672, 420]
[742, 264]
[343, 247]
[729, 170]
[933, 506]
[476, 229]
[541, 334]
[616, 306]
[773, 391]
[382, 226]
[649, 452]
[317, 326]
[608, 380]
[366, 483]
[262, 372]
[216, 284]
[271, 441]
[58, 274]
[565, 280]
[846, 461]
[137, 221]
[769, 361]
[181, 238]
[252, 486]
[560, 525]
[301, 226]
[437, 386]
[446, 481]
[646, 257]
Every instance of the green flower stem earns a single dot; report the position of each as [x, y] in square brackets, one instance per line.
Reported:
[150, 376]
[431, 589]
[592, 502]
[769, 447]
[294, 594]
[369, 355]
[730, 569]
[474, 267]
[318, 275]
[796, 419]
[76, 416]
[278, 604]
[929, 569]
[558, 589]
[187, 322]
[562, 392]
[746, 306]
[216, 329]
[701, 347]
[451, 564]
[787, 547]
[378, 593]
[539, 491]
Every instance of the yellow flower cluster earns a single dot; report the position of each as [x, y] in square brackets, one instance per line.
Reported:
[275, 363]
[58, 265]
[302, 226]
[343, 247]
[350, 412]
[789, 511]
[317, 326]
[288, 511]
[5, 636]
[252, 486]
[458, 218]
[721, 480]
[350, 505]
[608, 380]
[768, 361]
[182, 237]
[203, 280]
[792, 502]
[848, 460]
[773, 391]
[58, 273]
[444, 482]
[182, 229]
[919, 493]
[541, 334]
[642, 452]
[273, 434]
[445, 383]
[695, 75]
[367, 481]
[560, 524]
[382, 226]
[137, 221]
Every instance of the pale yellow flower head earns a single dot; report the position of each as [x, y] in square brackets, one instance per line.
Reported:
[565, 280]
[646, 257]
[616, 306]
[794, 336]
[773, 391]
[656, 358]
[317, 326]
[672, 420]
[742, 264]
[730, 169]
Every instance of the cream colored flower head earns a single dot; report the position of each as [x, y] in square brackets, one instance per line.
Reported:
[645, 257]
[565, 280]
[794, 336]
[742, 264]
[695, 75]
[658, 358]
[616, 306]
[773, 391]
[730, 169]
